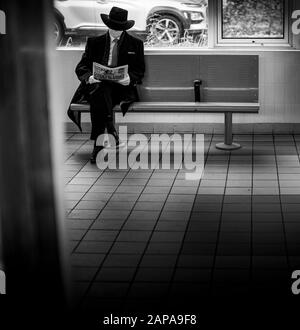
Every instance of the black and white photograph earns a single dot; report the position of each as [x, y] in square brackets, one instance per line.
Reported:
[149, 164]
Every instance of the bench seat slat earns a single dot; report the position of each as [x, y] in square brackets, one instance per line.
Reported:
[182, 107]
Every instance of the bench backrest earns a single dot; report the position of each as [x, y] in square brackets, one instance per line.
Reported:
[225, 78]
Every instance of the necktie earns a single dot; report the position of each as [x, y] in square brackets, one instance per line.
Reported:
[114, 59]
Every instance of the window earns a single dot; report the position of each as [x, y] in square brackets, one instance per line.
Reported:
[177, 24]
[160, 23]
[252, 21]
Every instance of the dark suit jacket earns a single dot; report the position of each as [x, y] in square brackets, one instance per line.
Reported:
[131, 52]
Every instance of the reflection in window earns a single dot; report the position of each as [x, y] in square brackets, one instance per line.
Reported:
[255, 19]
[171, 23]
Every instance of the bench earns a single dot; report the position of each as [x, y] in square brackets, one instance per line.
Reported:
[236, 94]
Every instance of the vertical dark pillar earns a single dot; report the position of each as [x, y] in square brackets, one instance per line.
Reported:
[28, 212]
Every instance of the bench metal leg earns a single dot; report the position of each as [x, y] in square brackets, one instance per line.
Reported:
[228, 145]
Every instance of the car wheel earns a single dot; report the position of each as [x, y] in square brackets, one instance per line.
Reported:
[165, 29]
[58, 31]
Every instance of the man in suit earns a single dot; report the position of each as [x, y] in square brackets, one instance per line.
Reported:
[115, 48]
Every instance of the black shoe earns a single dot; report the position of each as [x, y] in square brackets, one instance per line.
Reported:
[116, 143]
[95, 153]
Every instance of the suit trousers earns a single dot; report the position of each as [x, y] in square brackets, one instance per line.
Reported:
[102, 98]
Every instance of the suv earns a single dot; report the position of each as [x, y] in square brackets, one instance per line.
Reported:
[162, 20]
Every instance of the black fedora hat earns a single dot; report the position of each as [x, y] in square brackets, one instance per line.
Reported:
[117, 19]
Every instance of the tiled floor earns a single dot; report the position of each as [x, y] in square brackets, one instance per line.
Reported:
[144, 237]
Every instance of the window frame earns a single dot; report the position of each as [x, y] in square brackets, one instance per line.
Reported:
[220, 41]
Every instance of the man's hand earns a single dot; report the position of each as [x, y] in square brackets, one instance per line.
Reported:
[92, 80]
[125, 81]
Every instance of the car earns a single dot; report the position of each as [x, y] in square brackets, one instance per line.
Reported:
[165, 21]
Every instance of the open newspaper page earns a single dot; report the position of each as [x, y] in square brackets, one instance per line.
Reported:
[102, 72]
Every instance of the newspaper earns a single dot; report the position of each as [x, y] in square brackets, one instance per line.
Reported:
[102, 72]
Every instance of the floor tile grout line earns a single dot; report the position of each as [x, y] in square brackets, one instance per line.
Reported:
[283, 219]
[251, 215]
[84, 194]
[94, 220]
[187, 224]
[82, 165]
[69, 138]
[219, 231]
[88, 191]
[147, 244]
[115, 239]
[102, 172]
[80, 145]
[281, 209]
